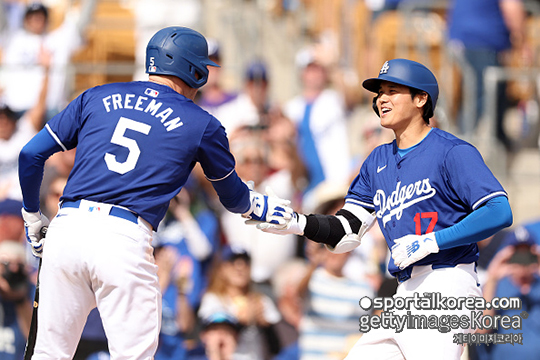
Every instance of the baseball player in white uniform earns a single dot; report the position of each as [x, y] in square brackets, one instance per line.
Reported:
[433, 198]
[136, 145]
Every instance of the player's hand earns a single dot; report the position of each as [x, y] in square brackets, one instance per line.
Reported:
[35, 225]
[294, 225]
[410, 248]
[268, 208]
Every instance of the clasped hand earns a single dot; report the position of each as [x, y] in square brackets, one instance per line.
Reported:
[268, 208]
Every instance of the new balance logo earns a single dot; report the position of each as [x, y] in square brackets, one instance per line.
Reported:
[379, 169]
[412, 248]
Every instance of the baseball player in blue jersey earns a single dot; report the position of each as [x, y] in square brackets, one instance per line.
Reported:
[433, 198]
[136, 145]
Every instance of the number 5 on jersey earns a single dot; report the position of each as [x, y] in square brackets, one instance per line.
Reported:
[119, 138]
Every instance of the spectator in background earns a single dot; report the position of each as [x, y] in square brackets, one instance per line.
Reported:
[230, 297]
[483, 31]
[319, 115]
[23, 72]
[285, 284]
[331, 308]
[250, 108]
[267, 251]
[513, 272]
[15, 300]
[185, 243]
[212, 96]
[280, 134]
[175, 272]
[11, 221]
[15, 132]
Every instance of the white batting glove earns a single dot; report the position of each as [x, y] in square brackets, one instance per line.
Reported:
[267, 208]
[411, 248]
[35, 224]
[295, 225]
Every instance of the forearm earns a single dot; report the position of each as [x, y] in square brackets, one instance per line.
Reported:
[485, 221]
[330, 229]
[302, 287]
[233, 193]
[197, 242]
[185, 317]
[515, 19]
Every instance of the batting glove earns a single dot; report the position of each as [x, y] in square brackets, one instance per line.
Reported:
[35, 224]
[267, 208]
[410, 248]
[295, 225]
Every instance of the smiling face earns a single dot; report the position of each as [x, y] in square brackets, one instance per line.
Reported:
[397, 108]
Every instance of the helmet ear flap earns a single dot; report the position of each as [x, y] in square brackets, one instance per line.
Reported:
[374, 106]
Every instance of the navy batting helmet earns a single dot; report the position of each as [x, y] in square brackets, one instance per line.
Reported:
[408, 73]
[181, 52]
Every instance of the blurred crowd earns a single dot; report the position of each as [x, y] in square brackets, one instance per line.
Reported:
[229, 290]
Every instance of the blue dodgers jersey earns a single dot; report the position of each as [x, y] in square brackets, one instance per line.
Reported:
[137, 143]
[431, 188]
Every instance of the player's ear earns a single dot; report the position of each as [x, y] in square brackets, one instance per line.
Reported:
[421, 99]
[374, 105]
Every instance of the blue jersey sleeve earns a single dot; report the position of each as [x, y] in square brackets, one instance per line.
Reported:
[218, 165]
[361, 188]
[66, 125]
[469, 176]
[31, 162]
[485, 221]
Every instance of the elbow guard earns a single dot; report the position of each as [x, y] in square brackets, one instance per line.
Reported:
[356, 221]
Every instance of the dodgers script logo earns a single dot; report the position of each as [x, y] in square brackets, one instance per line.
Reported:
[401, 198]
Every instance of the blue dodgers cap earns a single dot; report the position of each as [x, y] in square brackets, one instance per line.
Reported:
[406, 72]
[11, 207]
[521, 236]
[256, 71]
[523, 242]
[229, 254]
[36, 7]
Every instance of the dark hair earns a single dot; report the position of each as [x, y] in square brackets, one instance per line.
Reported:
[428, 108]
[36, 7]
[6, 110]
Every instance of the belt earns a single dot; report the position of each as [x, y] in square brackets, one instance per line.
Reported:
[406, 274]
[115, 211]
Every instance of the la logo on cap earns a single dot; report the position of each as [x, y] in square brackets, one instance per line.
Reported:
[384, 68]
